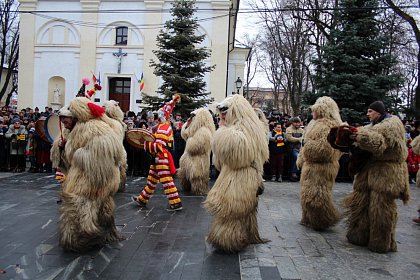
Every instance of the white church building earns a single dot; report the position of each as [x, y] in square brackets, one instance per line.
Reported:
[62, 41]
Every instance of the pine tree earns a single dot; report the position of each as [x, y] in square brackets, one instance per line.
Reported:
[180, 62]
[355, 68]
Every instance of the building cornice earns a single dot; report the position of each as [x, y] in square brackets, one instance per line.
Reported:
[154, 4]
[221, 4]
[28, 5]
[90, 4]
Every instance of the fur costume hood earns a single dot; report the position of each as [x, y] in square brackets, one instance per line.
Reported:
[241, 117]
[317, 148]
[83, 109]
[200, 118]
[262, 118]
[327, 108]
[79, 107]
[416, 145]
[113, 110]
[116, 115]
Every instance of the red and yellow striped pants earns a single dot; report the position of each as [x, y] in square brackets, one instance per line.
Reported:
[159, 172]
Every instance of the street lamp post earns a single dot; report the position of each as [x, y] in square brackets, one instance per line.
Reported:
[238, 84]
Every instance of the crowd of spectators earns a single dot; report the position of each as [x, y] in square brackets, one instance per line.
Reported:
[21, 148]
[19, 142]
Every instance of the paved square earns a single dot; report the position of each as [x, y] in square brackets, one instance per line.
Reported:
[171, 245]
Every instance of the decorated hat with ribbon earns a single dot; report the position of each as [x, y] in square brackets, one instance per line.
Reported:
[169, 107]
[82, 90]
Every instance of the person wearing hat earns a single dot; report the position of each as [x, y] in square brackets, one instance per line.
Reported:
[151, 122]
[17, 134]
[31, 149]
[163, 167]
[179, 142]
[416, 130]
[371, 209]
[57, 155]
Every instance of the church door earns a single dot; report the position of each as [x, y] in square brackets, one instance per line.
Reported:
[119, 90]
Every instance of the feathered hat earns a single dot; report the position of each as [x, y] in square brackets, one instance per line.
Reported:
[82, 90]
[168, 107]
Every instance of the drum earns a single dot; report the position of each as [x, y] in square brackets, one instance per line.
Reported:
[39, 128]
[136, 137]
[52, 127]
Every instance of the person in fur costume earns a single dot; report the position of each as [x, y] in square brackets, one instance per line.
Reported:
[239, 151]
[94, 151]
[415, 145]
[371, 210]
[319, 164]
[113, 110]
[194, 171]
[57, 156]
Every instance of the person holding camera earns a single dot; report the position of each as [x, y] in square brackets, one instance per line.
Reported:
[17, 135]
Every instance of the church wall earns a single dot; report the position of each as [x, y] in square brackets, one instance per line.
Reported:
[72, 51]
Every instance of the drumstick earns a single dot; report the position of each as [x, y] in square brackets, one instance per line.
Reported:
[61, 132]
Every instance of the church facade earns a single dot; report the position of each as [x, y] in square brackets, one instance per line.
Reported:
[63, 41]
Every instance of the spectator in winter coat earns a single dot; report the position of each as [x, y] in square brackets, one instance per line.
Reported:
[17, 134]
[413, 163]
[277, 149]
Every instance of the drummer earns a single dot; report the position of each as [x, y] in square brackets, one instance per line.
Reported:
[163, 167]
[66, 118]
[57, 150]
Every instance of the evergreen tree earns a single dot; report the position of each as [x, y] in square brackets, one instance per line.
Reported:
[180, 62]
[355, 68]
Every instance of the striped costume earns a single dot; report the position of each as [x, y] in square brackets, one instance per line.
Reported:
[163, 167]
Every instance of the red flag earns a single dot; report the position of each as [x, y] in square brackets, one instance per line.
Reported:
[94, 78]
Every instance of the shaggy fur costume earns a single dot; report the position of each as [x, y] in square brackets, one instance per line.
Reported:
[371, 209]
[194, 164]
[94, 152]
[416, 149]
[266, 127]
[319, 164]
[239, 152]
[57, 154]
[113, 110]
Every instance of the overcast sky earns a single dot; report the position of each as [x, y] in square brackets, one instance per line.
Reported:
[247, 23]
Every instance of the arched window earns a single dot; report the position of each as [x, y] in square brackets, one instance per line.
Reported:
[121, 35]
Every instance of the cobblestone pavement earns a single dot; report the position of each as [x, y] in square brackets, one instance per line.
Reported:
[297, 252]
[165, 245]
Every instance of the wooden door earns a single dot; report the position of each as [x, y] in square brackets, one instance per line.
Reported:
[119, 90]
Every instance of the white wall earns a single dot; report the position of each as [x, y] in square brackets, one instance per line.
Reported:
[57, 47]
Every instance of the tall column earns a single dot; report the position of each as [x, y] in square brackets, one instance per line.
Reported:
[220, 44]
[27, 39]
[151, 80]
[88, 40]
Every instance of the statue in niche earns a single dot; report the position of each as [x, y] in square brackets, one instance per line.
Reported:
[57, 94]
